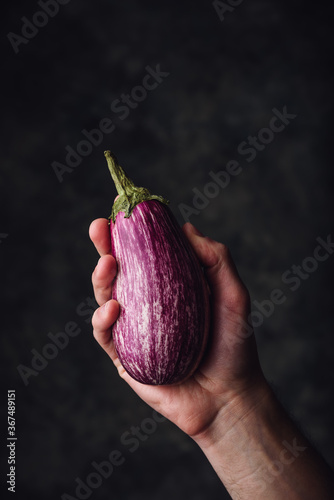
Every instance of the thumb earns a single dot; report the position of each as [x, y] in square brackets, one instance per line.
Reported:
[221, 272]
[233, 350]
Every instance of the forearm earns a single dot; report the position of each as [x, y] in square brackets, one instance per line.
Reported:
[259, 453]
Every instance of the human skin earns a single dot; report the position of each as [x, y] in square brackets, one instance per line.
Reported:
[227, 407]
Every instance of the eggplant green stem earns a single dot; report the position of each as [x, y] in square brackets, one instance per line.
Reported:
[129, 194]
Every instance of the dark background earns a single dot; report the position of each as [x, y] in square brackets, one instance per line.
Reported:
[225, 79]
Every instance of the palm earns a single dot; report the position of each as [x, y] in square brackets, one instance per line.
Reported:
[193, 404]
[182, 404]
[231, 359]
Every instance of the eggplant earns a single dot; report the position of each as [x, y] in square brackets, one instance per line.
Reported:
[162, 329]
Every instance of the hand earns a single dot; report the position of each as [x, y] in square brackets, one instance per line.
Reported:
[230, 368]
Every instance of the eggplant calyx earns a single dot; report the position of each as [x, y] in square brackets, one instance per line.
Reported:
[130, 195]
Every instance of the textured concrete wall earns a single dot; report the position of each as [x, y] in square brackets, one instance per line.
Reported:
[224, 79]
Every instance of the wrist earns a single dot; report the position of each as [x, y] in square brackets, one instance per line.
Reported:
[258, 452]
[242, 409]
[236, 441]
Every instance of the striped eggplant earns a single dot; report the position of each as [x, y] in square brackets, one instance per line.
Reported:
[161, 332]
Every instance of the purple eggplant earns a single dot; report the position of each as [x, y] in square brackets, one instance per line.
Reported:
[161, 332]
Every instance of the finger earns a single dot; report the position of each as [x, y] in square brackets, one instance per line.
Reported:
[102, 278]
[102, 321]
[220, 270]
[103, 318]
[99, 233]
